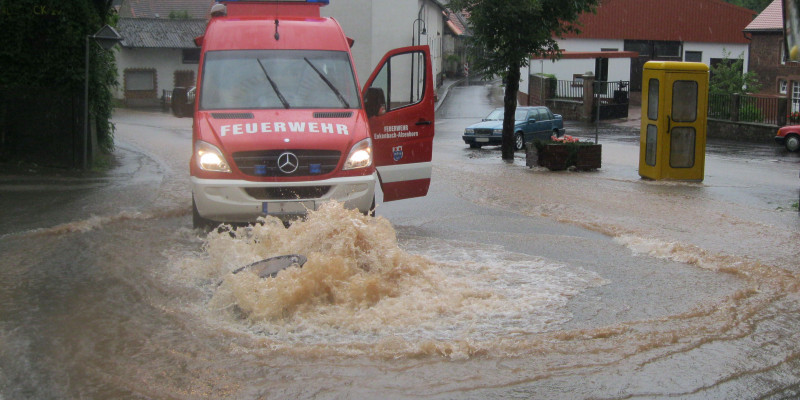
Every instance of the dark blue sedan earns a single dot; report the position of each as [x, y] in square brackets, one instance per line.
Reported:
[529, 123]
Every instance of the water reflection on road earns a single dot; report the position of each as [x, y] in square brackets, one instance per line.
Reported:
[504, 282]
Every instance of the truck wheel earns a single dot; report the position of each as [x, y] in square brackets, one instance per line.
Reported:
[792, 142]
[198, 222]
[371, 211]
[519, 141]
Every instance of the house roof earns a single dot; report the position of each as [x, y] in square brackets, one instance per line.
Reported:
[771, 19]
[705, 21]
[456, 22]
[160, 33]
[196, 9]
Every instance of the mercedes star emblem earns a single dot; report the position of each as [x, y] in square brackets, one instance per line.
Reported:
[288, 163]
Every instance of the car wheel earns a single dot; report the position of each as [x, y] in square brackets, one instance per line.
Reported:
[556, 133]
[474, 146]
[198, 222]
[519, 141]
[792, 142]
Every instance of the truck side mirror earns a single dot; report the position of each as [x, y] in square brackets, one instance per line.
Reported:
[374, 102]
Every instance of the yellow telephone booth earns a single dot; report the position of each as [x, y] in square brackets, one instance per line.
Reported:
[674, 120]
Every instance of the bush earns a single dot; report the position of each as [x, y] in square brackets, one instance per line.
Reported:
[44, 47]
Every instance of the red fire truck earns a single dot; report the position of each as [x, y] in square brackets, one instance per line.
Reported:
[281, 125]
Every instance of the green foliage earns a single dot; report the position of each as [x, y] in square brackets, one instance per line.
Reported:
[44, 47]
[179, 14]
[727, 77]
[755, 5]
[505, 33]
[750, 113]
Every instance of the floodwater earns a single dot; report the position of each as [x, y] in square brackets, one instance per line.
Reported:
[505, 282]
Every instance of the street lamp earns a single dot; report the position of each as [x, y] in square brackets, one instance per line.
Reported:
[418, 33]
[106, 37]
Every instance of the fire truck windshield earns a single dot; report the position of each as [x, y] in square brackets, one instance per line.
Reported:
[275, 79]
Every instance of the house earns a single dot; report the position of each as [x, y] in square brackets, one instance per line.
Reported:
[158, 52]
[381, 25]
[777, 77]
[670, 30]
[454, 47]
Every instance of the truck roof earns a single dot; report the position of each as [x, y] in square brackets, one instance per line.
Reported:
[259, 32]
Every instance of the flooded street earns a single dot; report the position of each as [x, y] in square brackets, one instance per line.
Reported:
[504, 282]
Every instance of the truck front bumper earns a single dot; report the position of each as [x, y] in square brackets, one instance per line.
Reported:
[237, 201]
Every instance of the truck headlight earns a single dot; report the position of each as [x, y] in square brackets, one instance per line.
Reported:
[210, 158]
[360, 155]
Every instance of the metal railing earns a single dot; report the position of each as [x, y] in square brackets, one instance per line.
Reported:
[747, 108]
[568, 90]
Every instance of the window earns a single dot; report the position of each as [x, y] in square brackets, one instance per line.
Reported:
[652, 100]
[783, 86]
[543, 115]
[577, 80]
[795, 96]
[693, 56]
[651, 141]
[665, 49]
[276, 79]
[140, 79]
[681, 147]
[395, 76]
[191, 56]
[684, 101]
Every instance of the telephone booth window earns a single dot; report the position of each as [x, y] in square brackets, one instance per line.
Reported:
[652, 100]
[684, 101]
[651, 142]
[682, 142]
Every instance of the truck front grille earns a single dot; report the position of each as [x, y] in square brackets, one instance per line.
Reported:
[264, 163]
[288, 193]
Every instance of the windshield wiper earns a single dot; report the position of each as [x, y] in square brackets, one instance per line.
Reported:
[274, 86]
[328, 82]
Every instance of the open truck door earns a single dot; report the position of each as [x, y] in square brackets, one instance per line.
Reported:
[399, 102]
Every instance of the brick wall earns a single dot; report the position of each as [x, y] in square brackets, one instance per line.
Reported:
[765, 61]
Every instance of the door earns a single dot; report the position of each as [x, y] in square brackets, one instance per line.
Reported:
[685, 132]
[399, 101]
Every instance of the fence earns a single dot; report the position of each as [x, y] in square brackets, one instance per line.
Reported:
[568, 90]
[746, 108]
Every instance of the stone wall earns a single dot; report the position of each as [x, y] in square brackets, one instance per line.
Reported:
[569, 109]
[741, 131]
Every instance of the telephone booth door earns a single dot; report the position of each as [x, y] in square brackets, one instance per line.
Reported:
[674, 120]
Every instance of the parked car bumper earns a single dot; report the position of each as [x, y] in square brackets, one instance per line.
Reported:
[483, 140]
[781, 140]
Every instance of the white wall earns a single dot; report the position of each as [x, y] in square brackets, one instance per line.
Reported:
[590, 44]
[619, 69]
[382, 25]
[714, 50]
[164, 61]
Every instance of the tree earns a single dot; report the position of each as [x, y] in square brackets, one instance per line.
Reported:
[755, 5]
[727, 77]
[44, 47]
[506, 33]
